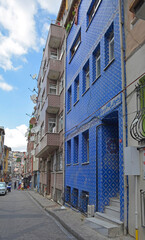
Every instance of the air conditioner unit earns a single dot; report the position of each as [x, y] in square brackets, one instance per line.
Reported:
[138, 8]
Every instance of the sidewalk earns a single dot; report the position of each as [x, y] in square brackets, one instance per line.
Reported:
[71, 219]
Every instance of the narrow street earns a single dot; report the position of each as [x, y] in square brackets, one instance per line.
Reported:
[21, 218]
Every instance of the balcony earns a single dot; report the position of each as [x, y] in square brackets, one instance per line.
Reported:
[48, 143]
[53, 103]
[138, 8]
[56, 35]
[54, 68]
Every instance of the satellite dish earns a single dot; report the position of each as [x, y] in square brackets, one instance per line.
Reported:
[34, 76]
[34, 98]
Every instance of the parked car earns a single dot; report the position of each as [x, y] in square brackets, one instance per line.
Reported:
[3, 188]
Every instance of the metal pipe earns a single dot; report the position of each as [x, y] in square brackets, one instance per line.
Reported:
[136, 210]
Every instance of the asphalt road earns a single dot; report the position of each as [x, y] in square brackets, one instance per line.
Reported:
[21, 218]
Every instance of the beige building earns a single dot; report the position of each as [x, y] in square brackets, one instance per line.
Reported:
[2, 133]
[50, 114]
[135, 76]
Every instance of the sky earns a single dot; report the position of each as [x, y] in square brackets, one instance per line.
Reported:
[24, 26]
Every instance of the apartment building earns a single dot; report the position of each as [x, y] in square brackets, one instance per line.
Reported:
[2, 133]
[6, 173]
[94, 123]
[50, 114]
[135, 78]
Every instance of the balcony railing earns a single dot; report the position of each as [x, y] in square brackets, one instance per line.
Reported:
[48, 143]
[56, 35]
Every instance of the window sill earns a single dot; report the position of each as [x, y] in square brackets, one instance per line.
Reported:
[96, 79]
[69, 111]
[69, 164]
[76, 102]
[85, 91]
[109, 64]
[85, 163]
[75, 164]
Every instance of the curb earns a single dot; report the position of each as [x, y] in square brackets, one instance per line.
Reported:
[66, 226]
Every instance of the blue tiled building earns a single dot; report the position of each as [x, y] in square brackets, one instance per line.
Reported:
[93, 119]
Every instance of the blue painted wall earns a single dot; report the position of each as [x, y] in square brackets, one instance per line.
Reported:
[94, 105]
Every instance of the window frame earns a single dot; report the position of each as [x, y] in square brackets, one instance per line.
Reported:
[111, 40]
[51, 87]
[86, 77]
[50, 120]
[86, 145]
[92, 11]
[69, 97]
[75, 45]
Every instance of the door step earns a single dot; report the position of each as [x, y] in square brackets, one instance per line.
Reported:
[104, 216]
[103, 227]
[112, 211]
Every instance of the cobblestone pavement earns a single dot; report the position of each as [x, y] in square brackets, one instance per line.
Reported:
[71, 219]
[22, 218]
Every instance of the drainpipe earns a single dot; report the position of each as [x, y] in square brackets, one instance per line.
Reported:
[124, 117]
[64, 125]
[136, 210]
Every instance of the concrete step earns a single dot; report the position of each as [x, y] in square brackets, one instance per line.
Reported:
[112, 211]
[105, 217]
[115, 202]
[103, 227]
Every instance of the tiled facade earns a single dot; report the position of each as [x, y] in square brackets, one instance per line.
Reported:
[95, 117]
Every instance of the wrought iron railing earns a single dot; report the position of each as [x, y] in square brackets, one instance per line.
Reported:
[137, 127]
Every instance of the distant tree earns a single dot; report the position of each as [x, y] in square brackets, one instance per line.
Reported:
[18, 160]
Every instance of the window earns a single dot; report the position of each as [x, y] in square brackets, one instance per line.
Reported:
[59, 162]
[61, 51]
[68, 194]
[52, 125]
[69, 99]
[42, 130]
[61, 83]
[93, 8]
[61, 121]
[53, 88]
[53, 54]
[85, 147]
[86, 77]
[96, 63]
[75, 197]
[69, 152]
[76, 89]
[109, 45]
[76, 149]
[76, 44]
[43, 98]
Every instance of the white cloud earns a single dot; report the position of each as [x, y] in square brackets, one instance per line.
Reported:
[19, 29]
[49, 5]
[5, 86]
[15, 138]
[18, 32]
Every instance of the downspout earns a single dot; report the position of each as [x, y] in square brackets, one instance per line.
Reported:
[124, 118]
[64, 125]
